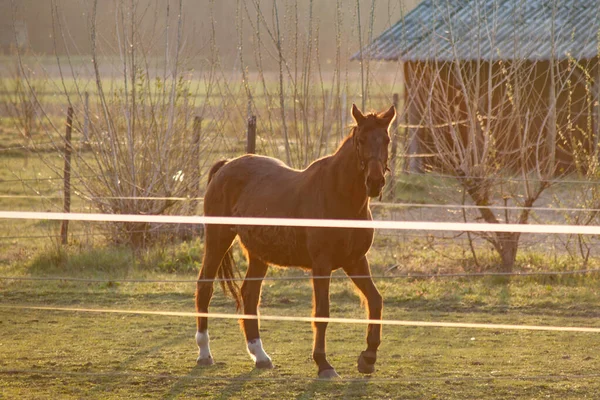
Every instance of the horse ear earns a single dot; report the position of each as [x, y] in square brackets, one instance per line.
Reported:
[388, 116]
[357, 115]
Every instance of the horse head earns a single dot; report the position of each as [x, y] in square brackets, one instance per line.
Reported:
[371, 140]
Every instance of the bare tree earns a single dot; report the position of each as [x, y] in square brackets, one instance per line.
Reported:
[504, 125]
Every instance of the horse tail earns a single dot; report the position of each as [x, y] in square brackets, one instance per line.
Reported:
[227, 279]
[215, 168]
[226, 269]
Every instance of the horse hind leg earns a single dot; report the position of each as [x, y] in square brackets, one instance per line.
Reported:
[218, 240]
[251, 291]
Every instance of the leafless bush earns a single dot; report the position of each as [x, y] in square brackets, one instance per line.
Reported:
[584, 200]
[142, 151]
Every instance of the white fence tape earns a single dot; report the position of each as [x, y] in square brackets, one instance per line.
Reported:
[437, 324]
[320, 223]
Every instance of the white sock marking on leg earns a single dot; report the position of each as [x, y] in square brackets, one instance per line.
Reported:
[202, 340]
[255, 349]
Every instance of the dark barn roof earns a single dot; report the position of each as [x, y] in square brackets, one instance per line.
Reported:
[446, 30]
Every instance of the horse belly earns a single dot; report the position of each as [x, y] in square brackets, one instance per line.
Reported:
[280, 245]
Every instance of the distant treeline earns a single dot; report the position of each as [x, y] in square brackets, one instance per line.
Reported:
[47, 25]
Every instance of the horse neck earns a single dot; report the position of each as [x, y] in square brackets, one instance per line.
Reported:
[348, 178]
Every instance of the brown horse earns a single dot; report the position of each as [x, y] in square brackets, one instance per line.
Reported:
[334, 187]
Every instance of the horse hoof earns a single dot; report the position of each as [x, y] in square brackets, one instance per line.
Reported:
[266, 364]
[329, 374]
[205, 361]
[365, 367]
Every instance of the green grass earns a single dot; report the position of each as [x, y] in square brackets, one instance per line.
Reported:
[88, 355]
[424, 189]
[47, 354]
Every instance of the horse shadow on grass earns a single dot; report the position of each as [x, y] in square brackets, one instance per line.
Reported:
[345, 389]
[200, 376]
[126, 364]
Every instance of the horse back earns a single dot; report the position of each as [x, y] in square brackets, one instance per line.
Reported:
[249, 186]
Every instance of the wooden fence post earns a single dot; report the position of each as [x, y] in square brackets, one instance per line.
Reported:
[394, 130]
[251, 135]
[195, 160]
[64, 228]
[412, 116]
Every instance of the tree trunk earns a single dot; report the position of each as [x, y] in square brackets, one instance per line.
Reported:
[507, 244]
[138, 234]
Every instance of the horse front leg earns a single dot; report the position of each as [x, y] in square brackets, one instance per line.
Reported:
[360, 273]
[321, 279]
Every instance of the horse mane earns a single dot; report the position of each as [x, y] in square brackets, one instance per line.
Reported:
[347, 138]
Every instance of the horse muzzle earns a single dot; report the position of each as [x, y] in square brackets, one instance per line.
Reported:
[375, 186]
[375, 178]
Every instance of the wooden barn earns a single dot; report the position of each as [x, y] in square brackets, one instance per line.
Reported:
[515, 82]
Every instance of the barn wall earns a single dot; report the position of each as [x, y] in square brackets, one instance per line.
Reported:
[515, 105]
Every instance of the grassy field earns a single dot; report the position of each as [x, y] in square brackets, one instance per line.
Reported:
[68, 354]
[59, 354]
